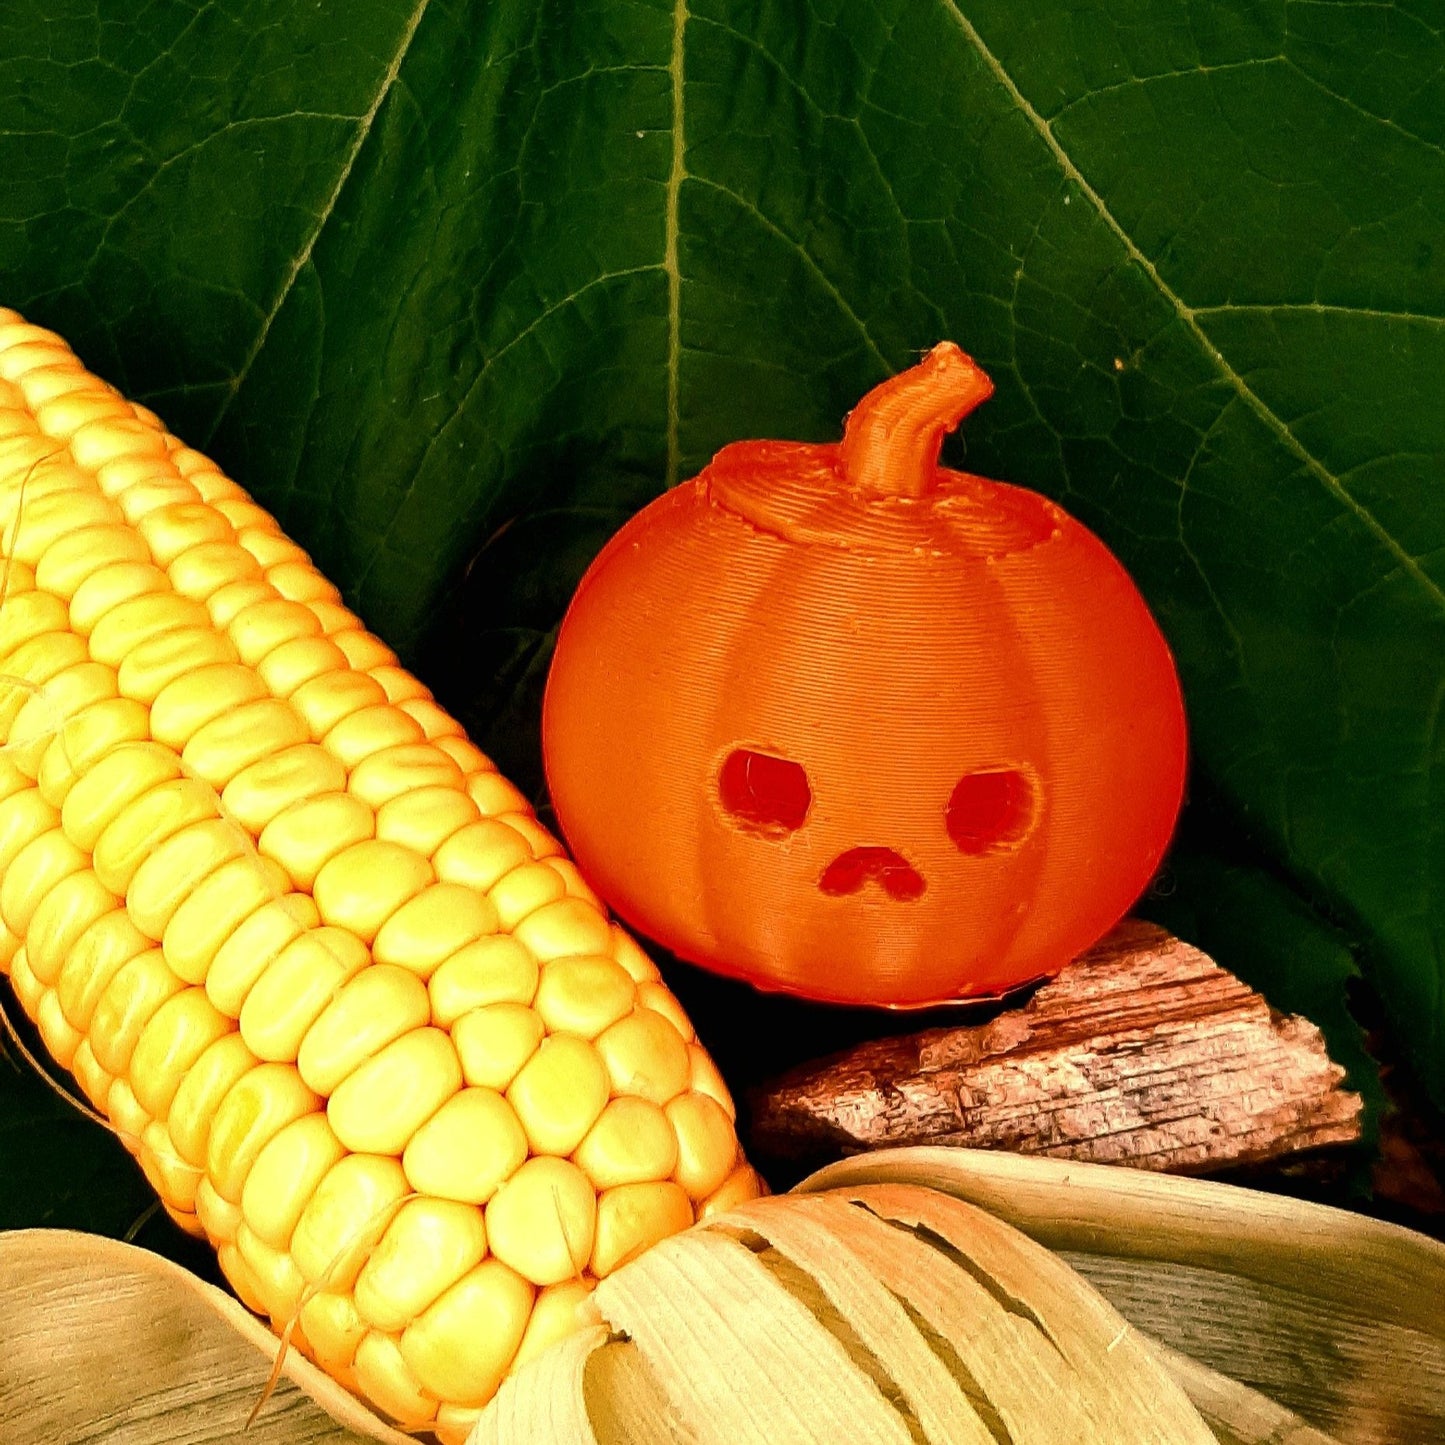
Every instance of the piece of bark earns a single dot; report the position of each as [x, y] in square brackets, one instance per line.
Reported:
[1143, 1051]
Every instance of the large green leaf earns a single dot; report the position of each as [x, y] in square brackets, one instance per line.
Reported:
[452, 283]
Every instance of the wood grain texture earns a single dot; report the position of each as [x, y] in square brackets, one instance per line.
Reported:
[1143, 1052]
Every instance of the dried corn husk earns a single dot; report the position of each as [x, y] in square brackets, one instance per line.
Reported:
[883, 1315]
[104, 1342]
[1337, 1318]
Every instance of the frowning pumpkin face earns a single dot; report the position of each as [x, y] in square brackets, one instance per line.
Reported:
[862, 741]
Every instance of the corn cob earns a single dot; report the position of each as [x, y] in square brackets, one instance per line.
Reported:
[360, 1021]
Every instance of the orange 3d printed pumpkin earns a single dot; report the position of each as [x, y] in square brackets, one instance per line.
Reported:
[843, 722]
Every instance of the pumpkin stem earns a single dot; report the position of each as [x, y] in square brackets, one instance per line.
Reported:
[892, 437]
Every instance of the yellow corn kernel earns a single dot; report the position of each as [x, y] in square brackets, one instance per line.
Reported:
[238, 1273]
[141, 497]
[301, 582]
[65, 912]
[70, 559]
[740, 1186]
[327, 699]
[703, 1078]
[632, 1217]
[280, 1283]
[494, 1042]
[539, 840]
[95, 1082]
[110, 785]
[566, 927]
[171, 530]
[454, 1423]
[200, 1093]
[573, 882]
[288, 666]
[55, 1031]
[388, 1380]
[434, 722]
[107, 588]
[126, 1114]
[131, 623]
[128, 1004]
[645, 1056]
[375, 1008]
[466, 755]
[495, 969]
[144, 673]
[523, 891]
[167, 878]
[494, 795]
[261, 792]
[344, 1218]
[170, 1176]
[542, 1221]
[381, 1104]
[632, 1142]
[554, 1316]
[398, 684]
[75, 555]
[95, 732]
[309, 834]
[185, 706]
[583, 995]
[45, 714]
[707, 1148]
[425, 818]
[364, 650]
[559, 1094]
[400, 771]
[262, 627]
[178, 1033]
[659, 999]
[99, 442]
[142, 826]
[371, 730]
[362, 887]
[467, 1148]
[32, 873]
[219, 1217]
[46, 518]
[227, 603]
[259, 1104]
[93, 961]
[296, 986]
[28, 989]
[479, 854]
[429, 928]
[24, 817]
[239, 510]
[334, 1328]
[248, 952]
[489, 1308]
[335, 618]
[428, 1246]
[270, 547]
[227, 744]
[286, 1174]
[207, 568]
[32, 615]
[216, 909]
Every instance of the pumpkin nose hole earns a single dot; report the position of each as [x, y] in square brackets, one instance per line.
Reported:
[990, 810]
[764, 793]
[849, 871]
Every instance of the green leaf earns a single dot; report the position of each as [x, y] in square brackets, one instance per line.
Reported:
[435, 268]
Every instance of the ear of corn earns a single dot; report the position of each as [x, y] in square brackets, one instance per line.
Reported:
[361, 1023]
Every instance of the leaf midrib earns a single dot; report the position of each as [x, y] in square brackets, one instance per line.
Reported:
[1190, 318]
[303, 256]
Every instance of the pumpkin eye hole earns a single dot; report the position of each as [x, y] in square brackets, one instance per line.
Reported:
[763, 793]
[990, 810]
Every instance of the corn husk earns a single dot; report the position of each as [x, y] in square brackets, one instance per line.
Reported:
[1335, 1318]
[104, 1342]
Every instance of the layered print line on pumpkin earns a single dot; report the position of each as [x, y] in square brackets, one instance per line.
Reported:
[303, 256]
[1189, 317]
